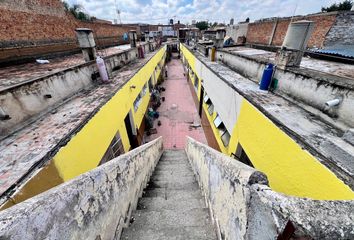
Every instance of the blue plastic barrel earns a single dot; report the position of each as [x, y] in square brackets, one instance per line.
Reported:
[267, 77]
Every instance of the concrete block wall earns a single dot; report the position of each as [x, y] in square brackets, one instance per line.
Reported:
[95, 205]
[244, 207]
[261, 32]
[27, 26]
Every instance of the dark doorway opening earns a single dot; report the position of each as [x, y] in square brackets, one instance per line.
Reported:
[128, 126]
[201, 99]
[241, 155]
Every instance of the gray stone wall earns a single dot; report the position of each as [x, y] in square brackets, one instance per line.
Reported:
[342, 32]
[95, 205]
[244, 207]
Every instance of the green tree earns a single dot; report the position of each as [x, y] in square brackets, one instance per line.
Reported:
[203, 25]
[77, 10]
[343, 6]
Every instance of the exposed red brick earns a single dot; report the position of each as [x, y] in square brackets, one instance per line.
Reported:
[28, 26]
[260, 32]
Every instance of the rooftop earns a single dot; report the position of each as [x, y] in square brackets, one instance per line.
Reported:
[20, 73]
[329, 67]
[39, 141]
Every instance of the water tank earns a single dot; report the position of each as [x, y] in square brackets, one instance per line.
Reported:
[298, 35]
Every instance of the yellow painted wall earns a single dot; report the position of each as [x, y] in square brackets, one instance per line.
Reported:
[289, 168]
[191, 59]
[86, 149]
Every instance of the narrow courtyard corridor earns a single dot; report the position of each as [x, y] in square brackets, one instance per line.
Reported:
[178, 113]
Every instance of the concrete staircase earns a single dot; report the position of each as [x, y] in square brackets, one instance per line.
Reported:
[172, 206]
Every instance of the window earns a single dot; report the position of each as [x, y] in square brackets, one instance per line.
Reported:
[225, 135]
[209, 104]
[114, 150]
[138, 99]
[211, 109]
[217, 121]
[150, 84]
[225, 138]
[206, 99]
[196, 83]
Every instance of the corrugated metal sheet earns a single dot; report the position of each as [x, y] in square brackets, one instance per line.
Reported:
[343, 51]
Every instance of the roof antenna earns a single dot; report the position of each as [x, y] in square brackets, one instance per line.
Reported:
[294, 13]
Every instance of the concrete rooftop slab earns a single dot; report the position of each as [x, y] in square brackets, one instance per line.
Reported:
[16, 74]
[333, 68]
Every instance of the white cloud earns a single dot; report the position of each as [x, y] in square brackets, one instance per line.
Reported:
[159, 11]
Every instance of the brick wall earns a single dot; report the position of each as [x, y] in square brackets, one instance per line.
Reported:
[261, 32]
[36, 28]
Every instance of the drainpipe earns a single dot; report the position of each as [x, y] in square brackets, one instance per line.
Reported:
[333, 103]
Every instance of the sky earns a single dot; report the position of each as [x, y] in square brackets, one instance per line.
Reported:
[159, 11]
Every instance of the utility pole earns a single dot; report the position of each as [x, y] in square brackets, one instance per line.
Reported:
[117, 12]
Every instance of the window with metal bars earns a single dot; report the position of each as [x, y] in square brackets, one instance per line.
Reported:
[114, 150]
[140, 96]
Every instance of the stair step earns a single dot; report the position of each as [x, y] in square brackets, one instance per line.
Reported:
[170, 202]
[161, 192]
[174, 185]
[172, 206]
[173, 167]
[172, 178]
[173, 163]
[173, 158]
[171, 173]
[170, 218]
[173, 152]
[173, 233]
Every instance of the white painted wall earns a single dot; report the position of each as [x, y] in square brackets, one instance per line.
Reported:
[227, 102]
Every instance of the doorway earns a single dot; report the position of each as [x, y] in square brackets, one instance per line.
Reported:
[131, 131]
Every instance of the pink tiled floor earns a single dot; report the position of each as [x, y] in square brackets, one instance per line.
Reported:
[178, 111]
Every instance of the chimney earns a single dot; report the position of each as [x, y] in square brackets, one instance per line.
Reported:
[295, 44]
[87, 43]
[219, 39]
[133, 38]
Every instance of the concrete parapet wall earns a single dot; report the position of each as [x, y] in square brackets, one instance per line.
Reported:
[224, 182]
[244, 207]
[95, 205]
[269, 212]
